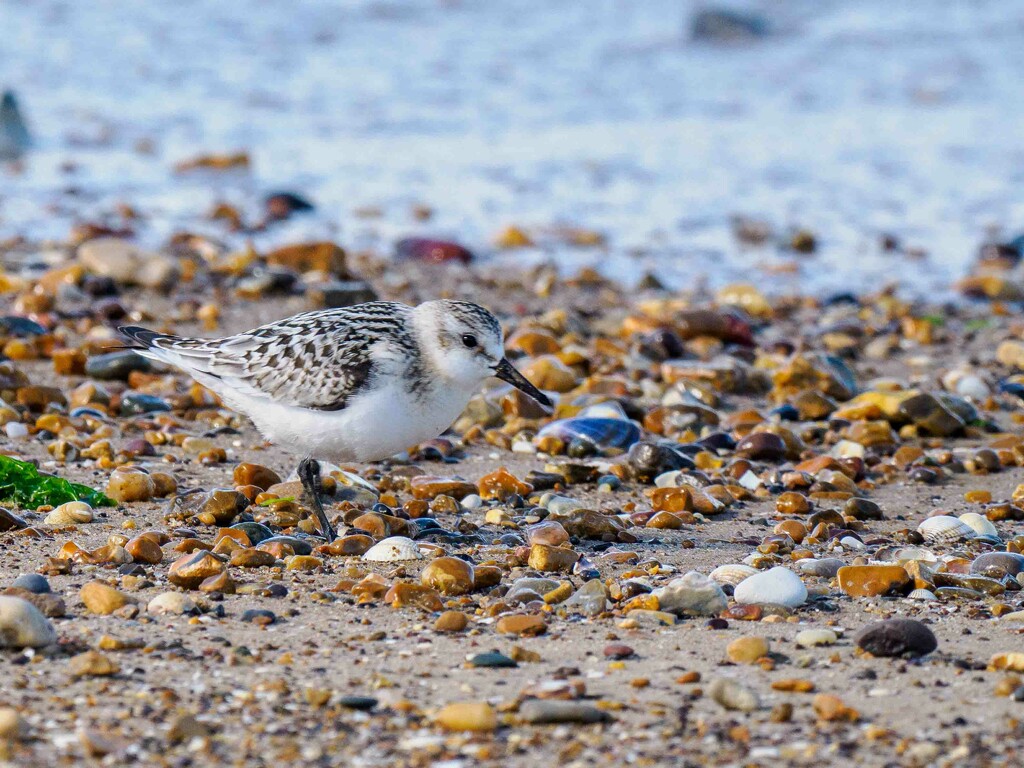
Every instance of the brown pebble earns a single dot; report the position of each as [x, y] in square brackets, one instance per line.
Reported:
[451, 621]
[522, 625]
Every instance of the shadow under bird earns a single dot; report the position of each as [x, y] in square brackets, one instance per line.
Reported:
[356, 384]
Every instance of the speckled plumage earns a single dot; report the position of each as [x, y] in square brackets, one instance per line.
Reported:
[316, 360]
[353, 384]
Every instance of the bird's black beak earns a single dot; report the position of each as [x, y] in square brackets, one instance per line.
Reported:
[506, 372]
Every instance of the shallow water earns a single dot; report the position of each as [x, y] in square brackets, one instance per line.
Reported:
[851, 119]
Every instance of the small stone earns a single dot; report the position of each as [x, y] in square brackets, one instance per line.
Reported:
[259, 616]
[732, 695]
[127, 485]
[22, 625]
[547, 711]
[116, 365]
[451, 621]
[747, 650]
[255, 474]
[467, 716]
[189, 571]
[102, 599]
[360, 703]
[33, 582]
[502, 484]
[762, 446]
[832, 709]
[492, 660]
[552, 559]
[777, 586]
[403, 595]
[811, 638]
[618, 651]
[171, 604]
[449, 576]
[693, 594]
[589, 600]
[896, 637]
[13, 727]
[873, 580]
[521, 624]
[184, 728]
[92, 664]
[303, 563]
[144, 549]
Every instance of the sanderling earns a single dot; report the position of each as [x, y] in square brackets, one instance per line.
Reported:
[355, 384]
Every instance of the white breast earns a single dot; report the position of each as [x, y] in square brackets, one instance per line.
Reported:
[374, 425]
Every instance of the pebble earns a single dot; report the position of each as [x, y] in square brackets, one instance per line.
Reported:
[777, 586]
[492, 659]
[451, 621]
[92, 664]
[171, 604]
[13, 727]
[360, 703]
[128, 485]
[467, 716]
[873, 580]
[811, 638]
[22, 625]
[693, 594]
[448, 575]
[547, 711]
[896, 637]
[102, 599]
[733, 695]
[520, 624]
[259, 616]
[618, 651]
[33, 582]
[189, 571]
[746, 650]
[589, 600]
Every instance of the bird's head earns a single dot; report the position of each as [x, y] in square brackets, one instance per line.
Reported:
[466, 346]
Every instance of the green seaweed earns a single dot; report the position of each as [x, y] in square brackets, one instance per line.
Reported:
[23, 484]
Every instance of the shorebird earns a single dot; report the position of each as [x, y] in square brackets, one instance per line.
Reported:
[356, 384]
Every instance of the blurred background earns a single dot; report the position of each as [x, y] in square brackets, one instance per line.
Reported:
[808, 145]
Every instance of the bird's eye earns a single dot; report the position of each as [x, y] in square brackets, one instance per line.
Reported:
[469, 340]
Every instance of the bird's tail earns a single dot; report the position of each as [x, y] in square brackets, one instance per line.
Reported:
[178, 351]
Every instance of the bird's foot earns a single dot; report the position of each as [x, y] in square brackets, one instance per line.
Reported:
[309, 474]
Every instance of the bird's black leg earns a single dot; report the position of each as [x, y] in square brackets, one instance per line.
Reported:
[309, 474]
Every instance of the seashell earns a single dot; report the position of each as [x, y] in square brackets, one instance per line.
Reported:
[922, 594]
[826, 567]
[778, 586]
[945, 529]
[610, 409]
[598, 434]
[905, 555]
[70, 513]
[980, 524]
[998, 564]
[393, 549]
[732, 573]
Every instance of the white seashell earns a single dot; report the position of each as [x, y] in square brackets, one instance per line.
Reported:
[732, 573]
[70, 513]
[393, 549]
[668, 479]
[849, 542]
[610, 409]
[905, 555]
[944, 529]
[980, 524]
[778, 586]
[922, 594]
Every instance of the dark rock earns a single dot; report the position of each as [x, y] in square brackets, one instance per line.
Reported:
[762, 446]
[897, 637]
[116, 365]
[12, 325]
[358, 702]
[492, 659]
[10, 521]
[282, 205]
[346, 293]
[14, 135]
[648, 460]
[724, 25]
[257, 532]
